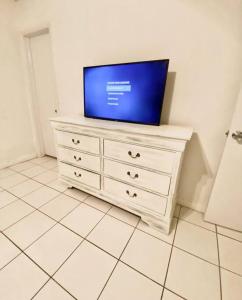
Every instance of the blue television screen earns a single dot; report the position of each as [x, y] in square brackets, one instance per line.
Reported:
[130, 92]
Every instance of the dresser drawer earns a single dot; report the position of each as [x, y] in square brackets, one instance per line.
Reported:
[78, 141]
[83, 176]
[146, 179]
[139, 155]
[80, 159]
[125, 192]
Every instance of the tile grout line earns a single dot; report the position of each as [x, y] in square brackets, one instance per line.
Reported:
[119, 259]
[27, 192]
[20, 199]
[239, 241]
[72, 252]
[219, 269]
[222, 268]
[33, 261]
[63, 192]
[214, 231]
[32, 178]
[46, 184]
[109, 215]
[183, 250]
[182, 297]
[23, 250]
[50, 278]
[67, 227]
[164, 283]
[81, 202]
[57, 221]
[8, 203]
[37, 209]
[4, 188]
[83, 239]
[155, 237]
[40, 288]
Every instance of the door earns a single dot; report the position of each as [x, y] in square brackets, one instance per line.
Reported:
[225, 204]
[45, 94]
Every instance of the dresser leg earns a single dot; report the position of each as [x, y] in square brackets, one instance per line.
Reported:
[159, 225]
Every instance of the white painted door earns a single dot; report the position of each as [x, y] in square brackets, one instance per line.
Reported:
[225, 204]
[46, 105]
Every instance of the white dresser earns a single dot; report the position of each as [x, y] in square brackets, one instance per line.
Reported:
[135, 167]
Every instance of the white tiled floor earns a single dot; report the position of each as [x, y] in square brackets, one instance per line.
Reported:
[61, 244]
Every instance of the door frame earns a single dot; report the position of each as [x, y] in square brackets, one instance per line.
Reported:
[38, 140]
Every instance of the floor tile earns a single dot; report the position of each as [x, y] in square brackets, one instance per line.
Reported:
[195, 217]
[13, 212]
[111, 235]
[7, 250]
[46, 177]
[82, 219]
[40, 196]
[25, 188]
[41, 160]
[197, 240]
[192, 277]
[52, 291]
[98, 203]
[148, 255]
[230, 253]
[49, 164]
[237, 235]
[124, 215]
[58, 185]
[51, 250]
[86, 271]
[56, 169]
[12, 180]
[22, 166]
[77, 194]
[157, 233]
[125, 283]
[6, 198]
[26, 231]
[231, 285]
[34, 171]
[6, 172]
[59, 206]
[21, 279]
[167, 295]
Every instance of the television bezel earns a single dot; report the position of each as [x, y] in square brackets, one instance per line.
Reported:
[127, 63]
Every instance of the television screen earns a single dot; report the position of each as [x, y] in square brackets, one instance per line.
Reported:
[130, 92]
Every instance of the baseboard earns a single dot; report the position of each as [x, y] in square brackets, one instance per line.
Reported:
[18, 160]
[194, 206]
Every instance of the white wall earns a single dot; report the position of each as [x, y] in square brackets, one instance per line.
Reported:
[201, 38]
[16, 142]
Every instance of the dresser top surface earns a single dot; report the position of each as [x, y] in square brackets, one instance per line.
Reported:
[167, 131]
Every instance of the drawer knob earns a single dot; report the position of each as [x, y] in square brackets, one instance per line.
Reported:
[77, 158]
[133, 156]
[132, 196]
[77, 174]
[75, 142]
[133, 177]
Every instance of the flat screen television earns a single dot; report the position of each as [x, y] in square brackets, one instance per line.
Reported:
[128, 92]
